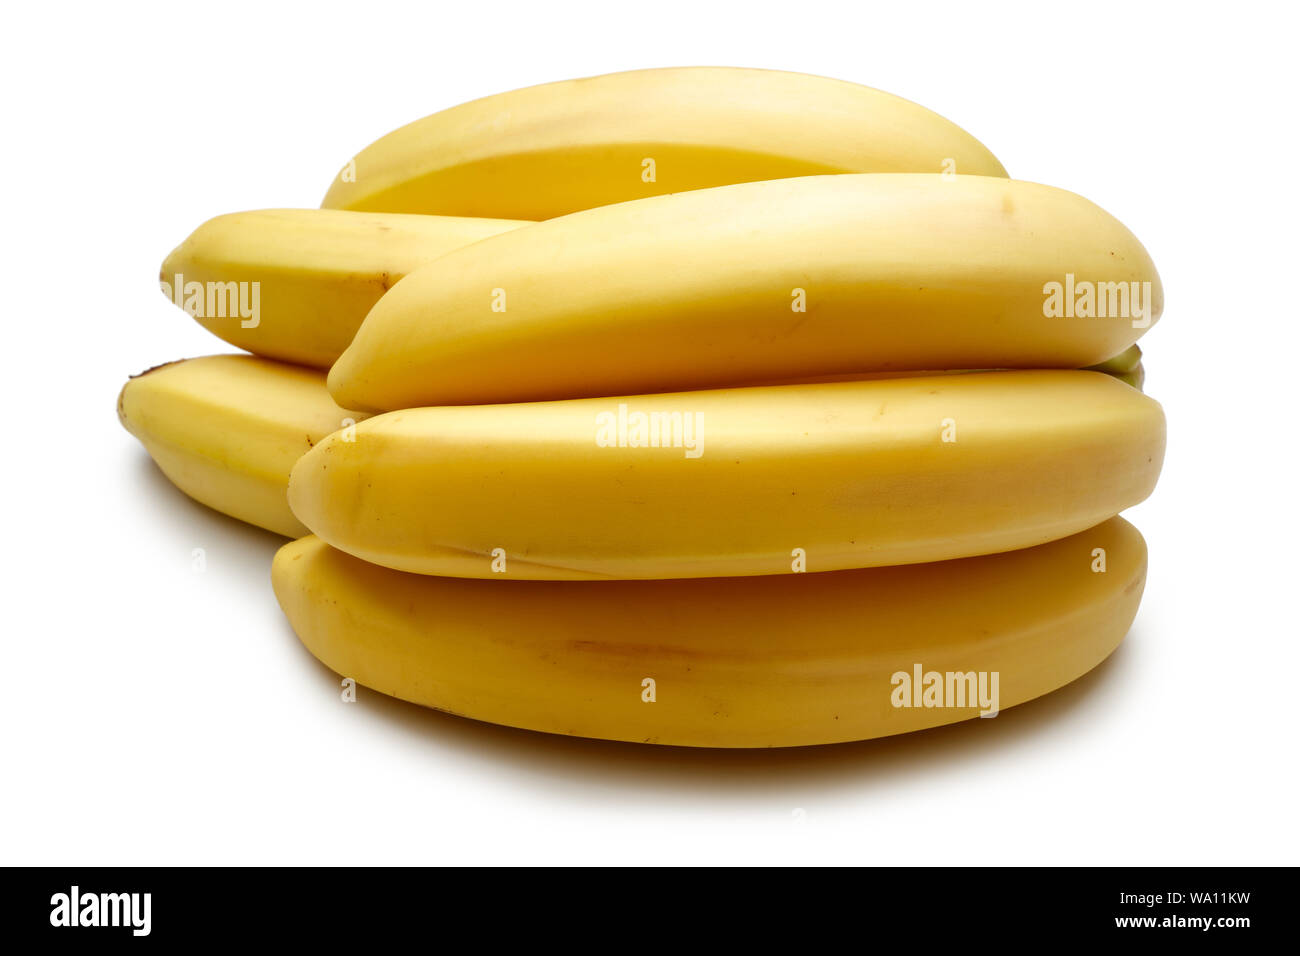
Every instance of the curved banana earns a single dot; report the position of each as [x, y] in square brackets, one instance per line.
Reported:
[725, 662]
[759, 281]
[736, 481]
[294, 284]
[208, 400]
[226, 429]
[553, 149]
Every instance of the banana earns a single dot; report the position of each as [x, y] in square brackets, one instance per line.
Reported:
[725, 662]
[206, 400]
[736, 481]
[553, 149]
[294, 284]
[226, 429]
[759, 281]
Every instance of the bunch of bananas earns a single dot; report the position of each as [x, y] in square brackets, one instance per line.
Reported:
[712, 407]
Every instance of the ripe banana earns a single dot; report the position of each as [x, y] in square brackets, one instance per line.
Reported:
[736, 481]
[548, 150]
[208, 401]
[294, 284]
[759, 281]
[725, 662]
[226, 429]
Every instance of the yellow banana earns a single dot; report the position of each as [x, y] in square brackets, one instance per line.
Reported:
[759, 281]
[208, 401]
[548, 150]
[725, 662]
[226, 429]
[736, 481]
[294, 284]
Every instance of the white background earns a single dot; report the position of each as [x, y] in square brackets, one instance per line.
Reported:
[154, 715]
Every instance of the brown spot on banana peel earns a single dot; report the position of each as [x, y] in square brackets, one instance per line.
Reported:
[154, 368]
[121, 395]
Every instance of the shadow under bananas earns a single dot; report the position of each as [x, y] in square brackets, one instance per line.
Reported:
[178, 506]
[578, 763]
